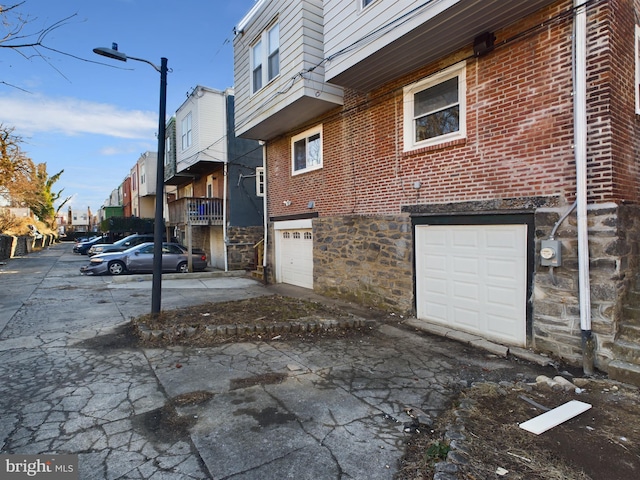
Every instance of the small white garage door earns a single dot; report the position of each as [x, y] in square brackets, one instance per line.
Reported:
[473, 278]
[295, 257]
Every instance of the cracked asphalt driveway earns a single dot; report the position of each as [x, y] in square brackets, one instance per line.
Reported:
[327, 409]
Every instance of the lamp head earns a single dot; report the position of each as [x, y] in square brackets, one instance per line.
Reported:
[111, 53]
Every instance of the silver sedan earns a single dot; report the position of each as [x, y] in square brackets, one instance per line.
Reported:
[139, 259]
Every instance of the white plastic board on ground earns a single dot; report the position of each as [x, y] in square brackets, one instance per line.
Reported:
[552, 418]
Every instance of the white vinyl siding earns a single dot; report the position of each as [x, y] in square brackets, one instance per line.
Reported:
[207, 109]
[344, 19]
[300, 47]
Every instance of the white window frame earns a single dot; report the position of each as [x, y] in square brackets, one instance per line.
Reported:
[457, 70]
[264, 50]
[306, 135]
[167, 150]
[637, 84]
[365, 3]
[260, 182]
[186, 131]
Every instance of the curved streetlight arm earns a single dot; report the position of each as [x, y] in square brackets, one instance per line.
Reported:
[156, 284]
[116, 55]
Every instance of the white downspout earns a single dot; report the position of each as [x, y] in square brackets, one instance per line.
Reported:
[224, 218]
[264, 210]
[580, 152]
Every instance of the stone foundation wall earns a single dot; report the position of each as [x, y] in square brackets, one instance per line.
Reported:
[367, 259]
[6, 246]
[240, 248]
[613, 259]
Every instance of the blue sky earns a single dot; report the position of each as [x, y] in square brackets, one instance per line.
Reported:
[93, 116]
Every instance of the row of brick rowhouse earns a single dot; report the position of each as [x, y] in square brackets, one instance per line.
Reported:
[386, 211]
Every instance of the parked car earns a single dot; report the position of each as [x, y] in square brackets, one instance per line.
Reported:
[139, 259]
[82, 247]
[122, 244]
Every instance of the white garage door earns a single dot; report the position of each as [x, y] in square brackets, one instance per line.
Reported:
[473, 278]
[295, 257]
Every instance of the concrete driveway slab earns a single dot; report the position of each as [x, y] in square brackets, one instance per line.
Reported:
[331, 408]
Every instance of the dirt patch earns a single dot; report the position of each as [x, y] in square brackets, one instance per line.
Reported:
[165, 424]
[476, 438]
[602, 443]
[265, 318]
[266, 379]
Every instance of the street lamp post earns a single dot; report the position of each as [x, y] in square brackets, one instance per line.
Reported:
[156, 286]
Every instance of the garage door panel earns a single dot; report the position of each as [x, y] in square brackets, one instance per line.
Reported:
[437, 264]
[473, 277]
[467, 317]
[502, 296]
[464, 239]
[465, 265]
[295, 257]
[466, 291]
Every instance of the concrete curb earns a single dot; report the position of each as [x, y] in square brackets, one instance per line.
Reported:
[177, 276]
[479, 342]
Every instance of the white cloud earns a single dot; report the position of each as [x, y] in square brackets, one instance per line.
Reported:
[70, 116]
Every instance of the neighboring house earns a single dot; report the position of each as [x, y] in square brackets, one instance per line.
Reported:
[215, 204]
[147, 174]
[424, 157]
[127, 210]
[81, 221]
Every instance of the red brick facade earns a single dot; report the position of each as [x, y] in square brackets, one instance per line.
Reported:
[519, 128]
[518, 154]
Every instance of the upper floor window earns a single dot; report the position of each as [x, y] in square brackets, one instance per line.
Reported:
[186, 131]
[365, 3]
[167, 149]
[266, 51]
[306, 151]
[435, 109]
[260, 185]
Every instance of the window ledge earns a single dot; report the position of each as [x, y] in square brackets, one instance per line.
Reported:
[439, 146]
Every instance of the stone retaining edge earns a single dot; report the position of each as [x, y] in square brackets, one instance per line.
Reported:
[302, 325]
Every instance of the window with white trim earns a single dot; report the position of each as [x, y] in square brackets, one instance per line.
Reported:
[306, 151]
[186, 131]
[435, 109]
[167, 150]
[637, 84]
[266, 51]
[260, 181]
[366, 3]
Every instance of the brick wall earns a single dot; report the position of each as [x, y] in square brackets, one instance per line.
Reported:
[519, 124]
[519, 145]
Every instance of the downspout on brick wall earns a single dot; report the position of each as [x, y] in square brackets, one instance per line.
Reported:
[225, 236]
[580, 153]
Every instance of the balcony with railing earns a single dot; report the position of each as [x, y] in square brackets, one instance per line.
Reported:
[197, 211]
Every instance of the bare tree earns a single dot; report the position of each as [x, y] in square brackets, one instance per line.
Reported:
[17, 35]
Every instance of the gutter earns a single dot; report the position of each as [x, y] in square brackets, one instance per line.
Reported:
[580, 153]
[265, 218]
